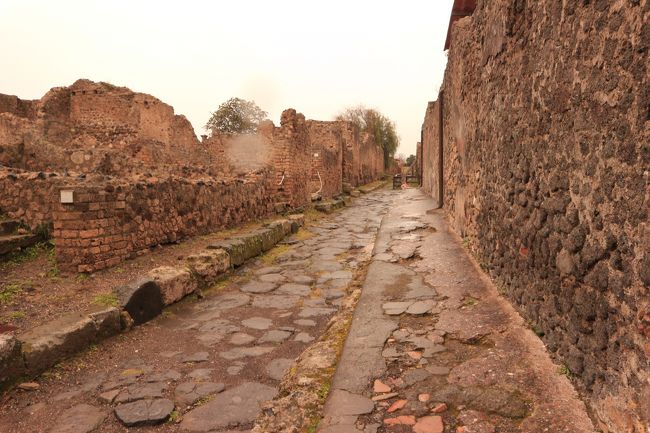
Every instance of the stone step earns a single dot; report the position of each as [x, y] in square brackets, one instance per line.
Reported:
[8, 227]
[12, 243]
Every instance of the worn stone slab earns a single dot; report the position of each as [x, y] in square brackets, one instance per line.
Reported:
[12, 365]
[294, 289]
[142, 299]
[258, 287]
[227, 301]
[141, 391]
[343, 402]
[420, 307]
[245, 352]
[174, 283]
[144, 412]
[278, 367]
[209, 264]
[236, 406]
[240, 248]
[395, 308]
[273, 278]
[261, 323]
[274, 336]
[188, 393]
[165, 376]
[197, 357]
[280, 302]
[81, 418]
[315, 311]
[241, 339]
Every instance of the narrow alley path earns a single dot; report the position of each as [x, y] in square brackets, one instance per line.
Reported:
[209, 362]
[434, 348]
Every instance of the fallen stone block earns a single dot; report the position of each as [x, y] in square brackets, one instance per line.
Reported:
[208, 265]
[142, 299]
[107, 321]
[285, 225]
[174, 283]
[48, 344]
[12, 365]
[297, 221]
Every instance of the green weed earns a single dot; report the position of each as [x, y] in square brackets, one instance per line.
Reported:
[106, 300]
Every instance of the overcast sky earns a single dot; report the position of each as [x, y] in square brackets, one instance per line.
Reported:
[316, 57]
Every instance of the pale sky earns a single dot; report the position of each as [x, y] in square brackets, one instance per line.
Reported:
[316, 57]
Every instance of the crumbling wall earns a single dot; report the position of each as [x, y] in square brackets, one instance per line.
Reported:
[351, 157]
[97, 127]
[291, 158]
[546, 162]
[326, 158]
[371, 159]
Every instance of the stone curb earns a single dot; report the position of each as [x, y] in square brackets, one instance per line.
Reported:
[34, 351]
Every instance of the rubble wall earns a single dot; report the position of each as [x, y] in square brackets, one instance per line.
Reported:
[546, 158]
[431, 151]
[326, 158]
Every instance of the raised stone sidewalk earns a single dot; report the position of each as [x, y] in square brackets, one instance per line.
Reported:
[433, 348]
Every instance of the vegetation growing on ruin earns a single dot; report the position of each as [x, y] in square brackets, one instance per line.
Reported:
[235, 116]
[379, 126]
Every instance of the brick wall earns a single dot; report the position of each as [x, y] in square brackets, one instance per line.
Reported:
[326, 157]
[546, 158]
[111, 222]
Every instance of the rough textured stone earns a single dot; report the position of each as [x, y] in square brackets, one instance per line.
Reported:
[278, 367]
[144, 412]
[142, 299]
[209, 264]
[81, 418]
[239, 405]
[174, 283]
[12, 365]
[258, 287]
[188, 393]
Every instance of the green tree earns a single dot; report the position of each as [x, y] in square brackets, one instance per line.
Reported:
[380, 126]
[235, 116]
[410, 160]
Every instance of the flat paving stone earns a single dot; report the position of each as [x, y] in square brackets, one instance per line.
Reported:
[196, 357]
[141, 391]
[305, 322]
[241, 339]
[278, 367]
[245, 352]
[278, 302]
[227, 301]
[274, 336]
[235, 368]
[144, 412]
[315, 311]
[420, 307]
[258, 287]
[342, 402]
[165, 376]
[273, 278]
[268, 270]
[260, 323]
[301, 279]
[188, 393]
[303, 337]
[395, 308]
[294, 289]
[235, 406]
[81, 418]
[201, 373]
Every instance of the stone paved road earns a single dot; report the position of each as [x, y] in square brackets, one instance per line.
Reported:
[208, 363]
[434, 348]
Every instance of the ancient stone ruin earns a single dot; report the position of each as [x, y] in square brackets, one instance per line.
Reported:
[537, 150]
[111, 172]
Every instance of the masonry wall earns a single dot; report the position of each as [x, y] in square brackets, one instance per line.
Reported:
[431, 151]
[371, 159]
[109, 223]
[546, 159]
[326, 158]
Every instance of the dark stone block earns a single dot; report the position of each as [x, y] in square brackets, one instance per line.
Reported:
[141, 299]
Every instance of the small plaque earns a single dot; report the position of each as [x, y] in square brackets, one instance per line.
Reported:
[67, 196]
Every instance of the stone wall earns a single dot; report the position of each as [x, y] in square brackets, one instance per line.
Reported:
[431, 151]
[98, 127]
[546, 170]
[326, 158]
[111, 222]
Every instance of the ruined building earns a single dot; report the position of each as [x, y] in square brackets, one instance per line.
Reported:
[538, 149]
[111, 172]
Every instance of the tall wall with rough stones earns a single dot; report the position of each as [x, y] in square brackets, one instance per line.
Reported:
[326, 158]
[546, 173]
[431, 151]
